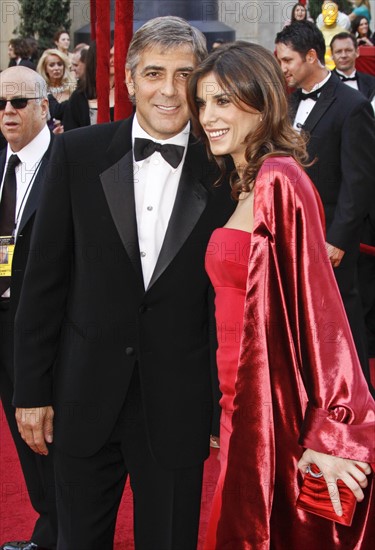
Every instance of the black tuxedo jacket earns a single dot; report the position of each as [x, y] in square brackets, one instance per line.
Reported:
[22, 247]
[366, 84]
[341, 134]
[90, 319]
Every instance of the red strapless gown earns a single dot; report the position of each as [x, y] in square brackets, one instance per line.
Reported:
[227, 266]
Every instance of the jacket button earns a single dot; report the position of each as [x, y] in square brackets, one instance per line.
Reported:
[129, 351]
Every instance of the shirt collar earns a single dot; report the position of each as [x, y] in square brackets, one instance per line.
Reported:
[32, 153]
[351, 75]
[319, 85]
[179, 139]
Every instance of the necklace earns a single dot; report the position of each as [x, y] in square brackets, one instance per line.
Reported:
[57, 89]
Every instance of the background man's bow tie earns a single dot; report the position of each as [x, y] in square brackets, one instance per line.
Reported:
[144, 148]
[347, 78]
[312, 95]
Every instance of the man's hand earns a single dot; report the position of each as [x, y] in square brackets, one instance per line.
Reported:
[36, 427]
[335, 255]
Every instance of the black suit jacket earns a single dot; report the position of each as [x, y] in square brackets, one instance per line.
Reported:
[341, 134]
[22, 247]
[366, 84]
[23, 63]
[3, 141]
[91, 319]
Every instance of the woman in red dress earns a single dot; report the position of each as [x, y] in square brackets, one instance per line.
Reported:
[287, 363]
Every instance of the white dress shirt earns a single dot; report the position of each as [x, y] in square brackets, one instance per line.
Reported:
[30, 156]
[155, 190]
[350, 83]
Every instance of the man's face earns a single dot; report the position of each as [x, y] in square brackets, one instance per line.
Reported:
[78, 68]
[159, 88]
[20, 126]
[11, 53]
[344, 54]
[296, 69]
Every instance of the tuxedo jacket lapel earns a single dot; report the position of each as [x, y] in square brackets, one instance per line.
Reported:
[190, 202]
[118, 186]
[36, 189]
[2, 162]
[326, 98]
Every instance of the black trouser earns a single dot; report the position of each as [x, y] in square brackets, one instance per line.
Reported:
[347, 279]
[166, 502]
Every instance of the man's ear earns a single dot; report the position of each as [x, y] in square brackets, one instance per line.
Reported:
[45, 107]
[311, 56]
[129, 82]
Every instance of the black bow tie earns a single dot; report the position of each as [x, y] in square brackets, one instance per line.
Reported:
[312, 95]
[347, 78]
[144, 148]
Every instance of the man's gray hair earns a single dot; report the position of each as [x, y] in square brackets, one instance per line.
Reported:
[166, 32]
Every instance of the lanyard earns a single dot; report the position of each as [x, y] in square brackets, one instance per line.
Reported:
[25, 195]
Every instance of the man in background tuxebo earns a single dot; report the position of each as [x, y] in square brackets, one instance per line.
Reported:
[118, 345]
[23, 122]
[339, 124]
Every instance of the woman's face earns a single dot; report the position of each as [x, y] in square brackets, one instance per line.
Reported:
[226, 123]
[112, 61]
[63, 42]
[54, 67]
[363, 27]
[299, 13]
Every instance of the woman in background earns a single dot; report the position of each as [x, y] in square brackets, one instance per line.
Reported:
[362, 8]
[61, 39]
[286, 360]
[362, 32]
[53, 66]
[298, 13]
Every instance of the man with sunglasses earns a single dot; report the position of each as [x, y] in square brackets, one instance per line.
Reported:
[23, 123]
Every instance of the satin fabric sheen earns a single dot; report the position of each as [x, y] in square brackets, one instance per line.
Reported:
[299, 382]
[227, 259]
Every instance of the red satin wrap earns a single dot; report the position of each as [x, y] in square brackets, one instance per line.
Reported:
[299, 382]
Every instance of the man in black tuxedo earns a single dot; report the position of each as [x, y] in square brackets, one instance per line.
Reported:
[118, 346]
[340, 127]
[344, 50]
[23, 124]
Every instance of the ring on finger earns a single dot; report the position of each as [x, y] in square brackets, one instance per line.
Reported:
[313, 474]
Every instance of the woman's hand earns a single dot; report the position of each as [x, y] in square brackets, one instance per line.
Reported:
[351, 472]
[364, 41]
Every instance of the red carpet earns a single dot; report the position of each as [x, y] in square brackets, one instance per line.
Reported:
[17, 516]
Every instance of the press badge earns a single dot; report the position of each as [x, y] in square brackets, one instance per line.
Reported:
[6, 256]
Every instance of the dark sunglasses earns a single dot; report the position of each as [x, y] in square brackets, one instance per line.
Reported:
[17, 102]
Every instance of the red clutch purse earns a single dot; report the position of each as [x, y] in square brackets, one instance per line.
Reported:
[314, 498]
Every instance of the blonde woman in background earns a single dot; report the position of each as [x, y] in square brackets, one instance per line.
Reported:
[53, 66]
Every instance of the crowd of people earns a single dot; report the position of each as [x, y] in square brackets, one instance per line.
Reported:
[207, 245]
